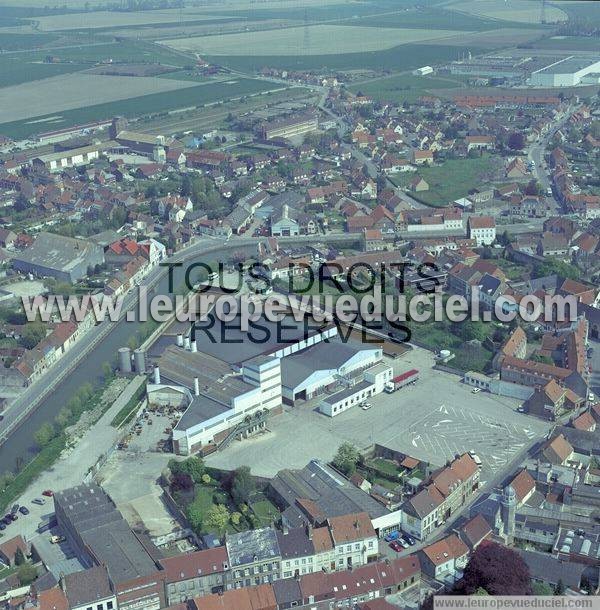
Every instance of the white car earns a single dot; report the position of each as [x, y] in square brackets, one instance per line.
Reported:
[366, 406]
[475, 390]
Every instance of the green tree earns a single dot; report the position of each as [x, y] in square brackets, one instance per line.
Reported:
[560, 588]
[542, 358]
[242, 486]
[26, 574]
[236, 518]
[32, 334]
[193, 466]
[557, 267]
[346, 459]
[217, 518]
[63, 417]
[44, 435]
[19, 557]
[541, 588]
[195, 516]
[107, 370]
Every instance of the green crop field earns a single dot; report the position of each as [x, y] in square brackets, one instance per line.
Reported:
[16, 69]
[432, 18]
[18, 42]
[406, 87]
[568, 43]
[137, 106]
[403, 57]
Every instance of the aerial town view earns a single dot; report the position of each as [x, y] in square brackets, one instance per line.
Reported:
[299, 304]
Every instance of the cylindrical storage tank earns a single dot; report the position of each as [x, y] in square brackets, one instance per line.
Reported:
[124, 360]
[139, 361]
[186, 343]
[156, 375]
[180, 340]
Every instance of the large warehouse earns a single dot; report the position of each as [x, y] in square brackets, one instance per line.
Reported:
[227, 385]
[64, 258]
[567, 72]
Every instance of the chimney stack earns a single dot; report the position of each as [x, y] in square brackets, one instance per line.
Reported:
[156, 375]
[196, 387]
[186, 343]
[194, 346]
[179, 340]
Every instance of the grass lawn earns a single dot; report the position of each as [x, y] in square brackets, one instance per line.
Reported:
[126, 414]
[406, 87]
[6, 572]
[41, 462]
[512, 270]
[454, 178]
[385, 466]
[266, 512]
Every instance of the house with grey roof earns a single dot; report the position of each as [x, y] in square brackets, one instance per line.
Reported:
[254, 558]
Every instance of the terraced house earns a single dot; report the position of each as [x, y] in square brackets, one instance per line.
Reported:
[445, 492]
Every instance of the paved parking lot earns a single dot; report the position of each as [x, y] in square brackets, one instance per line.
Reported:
[432, 420]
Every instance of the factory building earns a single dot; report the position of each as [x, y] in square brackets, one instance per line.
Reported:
[228, 382]
[296, 125]
[65, 258]
[567, 72]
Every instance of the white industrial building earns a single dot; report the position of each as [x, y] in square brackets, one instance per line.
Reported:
[228, 387]
[372, 383]
[567, 72]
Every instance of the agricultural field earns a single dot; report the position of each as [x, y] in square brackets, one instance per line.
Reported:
[454, 178]
[524, 11]
[16, 69]
[19, 42]
[406, 87]
[191, 96]
[313, 40]
[403, 57]
[112, 19]
[71, 91]
[582, 12]
[568, 43]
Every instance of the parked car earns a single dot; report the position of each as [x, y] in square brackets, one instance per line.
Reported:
[23, 510]
[392, 536]
[14, 509]
[7, 519]
[2, 526]
[475, 390]
[14, 517]
[409, 539]
[396, 546]
[38, 501]
[48, 493]
[366, 406]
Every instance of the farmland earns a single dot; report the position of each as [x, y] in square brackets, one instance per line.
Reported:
[137, 106]
[404, 56]
[71, 91]
[110, 19]
[524, 11]
[322, 40]
[18, 42]
[405, 87]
